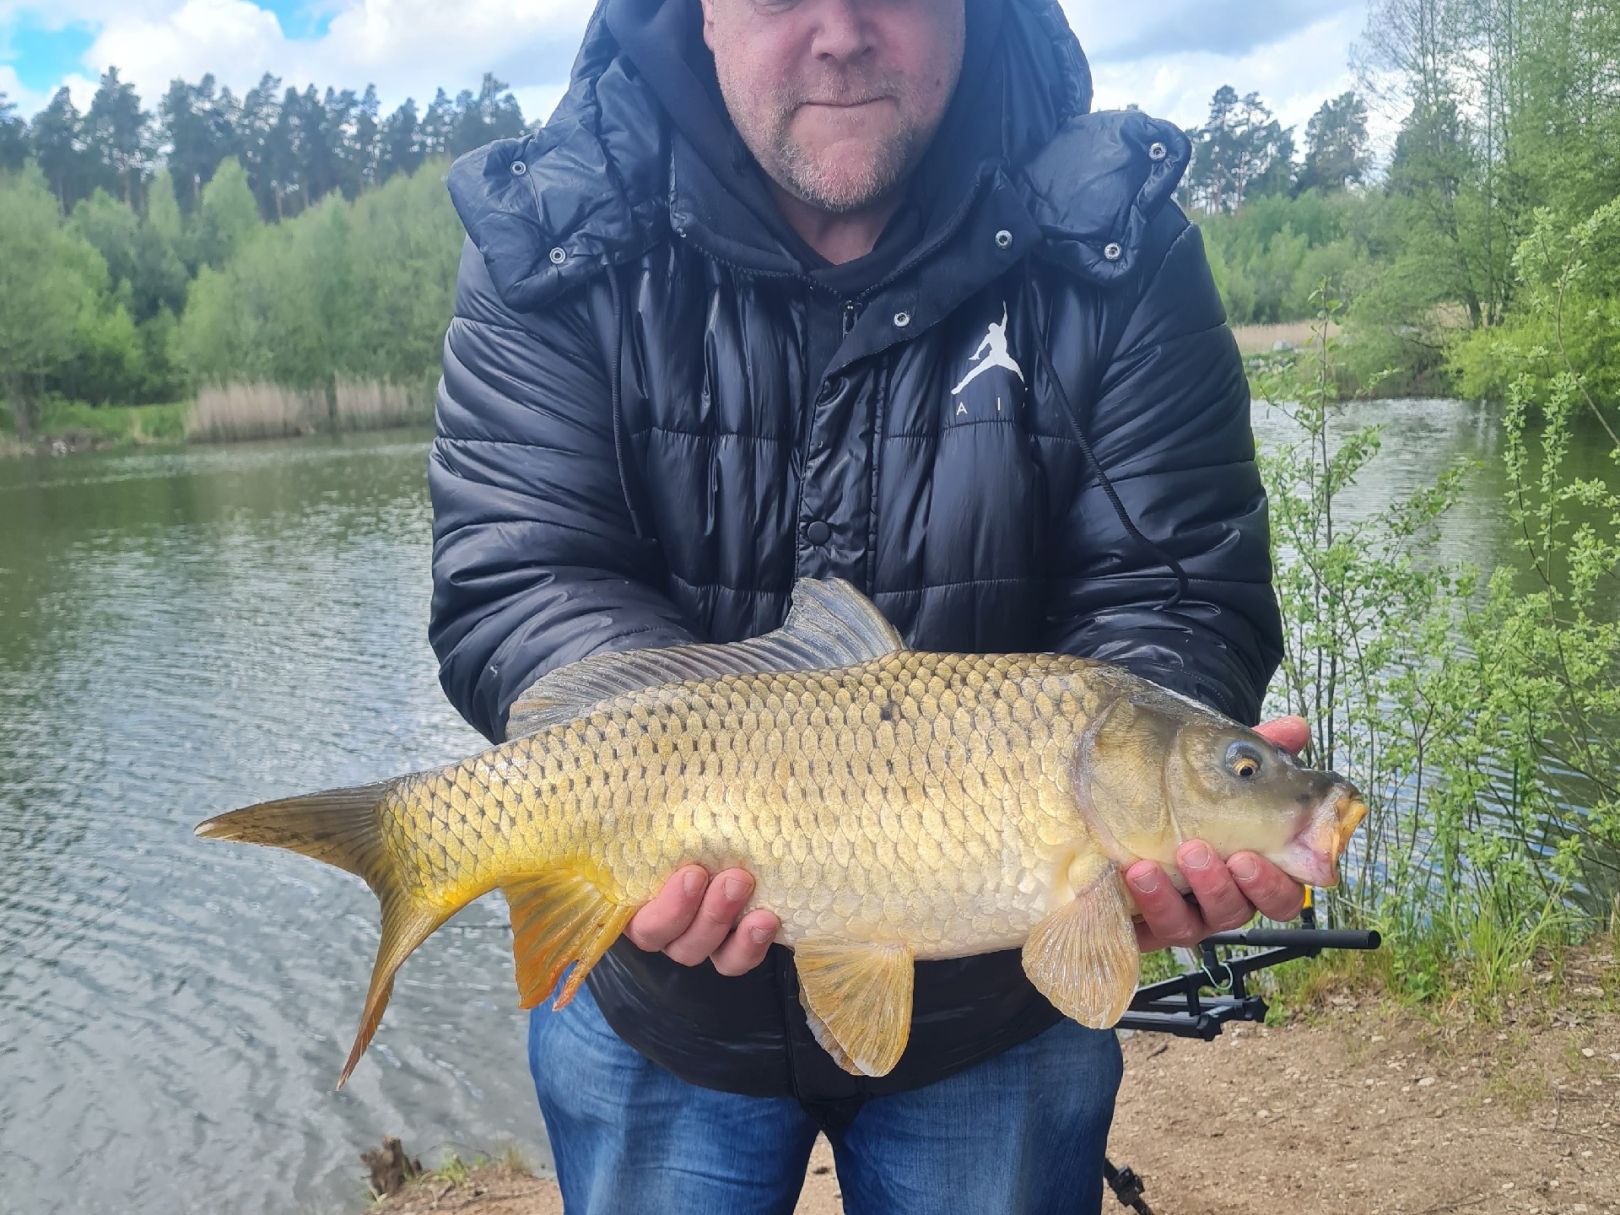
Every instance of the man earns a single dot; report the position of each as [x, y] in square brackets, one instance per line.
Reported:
[852, 288]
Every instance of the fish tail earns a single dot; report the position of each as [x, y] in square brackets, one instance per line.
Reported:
[343, 828]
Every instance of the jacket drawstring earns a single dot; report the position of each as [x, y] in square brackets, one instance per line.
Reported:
[1108, 486]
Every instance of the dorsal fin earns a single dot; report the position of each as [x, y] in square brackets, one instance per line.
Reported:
[829, 624]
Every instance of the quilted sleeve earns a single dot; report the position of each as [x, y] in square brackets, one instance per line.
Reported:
[536, 561]
[1169, 425]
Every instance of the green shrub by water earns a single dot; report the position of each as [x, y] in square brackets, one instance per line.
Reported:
[1477, 709]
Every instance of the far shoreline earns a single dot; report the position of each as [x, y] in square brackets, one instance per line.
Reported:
[248, 413]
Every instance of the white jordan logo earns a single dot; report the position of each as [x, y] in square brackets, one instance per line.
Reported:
[993, 350]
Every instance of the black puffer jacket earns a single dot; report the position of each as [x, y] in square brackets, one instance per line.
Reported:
[1031, 431]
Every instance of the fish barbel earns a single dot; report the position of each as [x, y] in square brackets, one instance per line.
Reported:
[892, 804]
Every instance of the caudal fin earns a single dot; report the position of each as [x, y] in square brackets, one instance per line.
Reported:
[342, 828]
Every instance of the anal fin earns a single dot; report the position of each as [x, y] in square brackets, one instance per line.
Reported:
[560, 918]
[857, 998]
[1083, 956]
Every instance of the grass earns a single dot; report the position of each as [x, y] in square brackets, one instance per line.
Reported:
[75, 425]
[1470, 980]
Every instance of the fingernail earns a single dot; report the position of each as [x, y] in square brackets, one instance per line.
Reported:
[736, 889]
[692, 882]
[761, 935]
[1244, 869]
[1147, 881]
[1195, 857]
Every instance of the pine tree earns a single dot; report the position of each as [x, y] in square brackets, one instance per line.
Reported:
[56, 137]
[13, 137]
[200, 132]
[1336, 154]
[400, 146]
[438, 125]
[116, 138]
[1241, 150]
[256, 132]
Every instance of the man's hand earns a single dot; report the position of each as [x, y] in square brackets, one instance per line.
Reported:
[1228, 895]
[695, 917]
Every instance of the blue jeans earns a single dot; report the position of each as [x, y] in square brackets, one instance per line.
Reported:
[1021, 1134]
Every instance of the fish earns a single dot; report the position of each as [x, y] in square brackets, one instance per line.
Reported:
[893, 805]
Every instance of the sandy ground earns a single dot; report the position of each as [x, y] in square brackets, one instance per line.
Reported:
[1362, 1108]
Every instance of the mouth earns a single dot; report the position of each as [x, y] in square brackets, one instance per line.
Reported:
[1312, 856]
[844, 105]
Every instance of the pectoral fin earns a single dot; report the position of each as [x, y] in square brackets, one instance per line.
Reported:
[858, 1001]
[560, 918]
[1083, 956]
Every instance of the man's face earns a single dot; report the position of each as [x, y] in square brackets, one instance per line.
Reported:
[837, 99]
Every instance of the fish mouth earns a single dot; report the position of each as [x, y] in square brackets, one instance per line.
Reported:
[1312, 856]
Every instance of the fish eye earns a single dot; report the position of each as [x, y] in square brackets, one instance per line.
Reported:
[1243, 761]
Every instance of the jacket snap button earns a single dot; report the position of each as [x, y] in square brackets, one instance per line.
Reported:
[558, 256]
[1112, 251]
[1004, 239]
[519, 168]
[817, 532]
[902, 319]
[1157, 151]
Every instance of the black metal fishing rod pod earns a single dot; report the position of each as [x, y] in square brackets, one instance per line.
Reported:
[1178, 1006]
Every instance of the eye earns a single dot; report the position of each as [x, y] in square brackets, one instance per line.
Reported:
[1243, 761]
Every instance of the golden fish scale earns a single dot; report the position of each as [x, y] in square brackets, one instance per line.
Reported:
[919, 797]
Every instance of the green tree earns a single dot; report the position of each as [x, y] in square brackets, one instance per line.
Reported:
[438, 126]
[401, 150]
[492, 114]
[48, 277]
[227, 215]
[257, 130]
[1336, 151]
[13, 137]
[56, 138]
[199, 127]
[362, 149]
[1240, 150]
[116, 137]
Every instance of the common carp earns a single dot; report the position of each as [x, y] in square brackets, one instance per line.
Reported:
[892, 804]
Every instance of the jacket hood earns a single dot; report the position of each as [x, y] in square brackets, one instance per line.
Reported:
[640, 145]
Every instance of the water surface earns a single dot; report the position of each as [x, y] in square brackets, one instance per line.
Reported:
[185, 632]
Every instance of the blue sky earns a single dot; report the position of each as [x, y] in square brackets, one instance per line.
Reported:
[1167, 56]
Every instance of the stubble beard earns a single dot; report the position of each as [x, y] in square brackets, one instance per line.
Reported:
[840, 187]
[829, 183]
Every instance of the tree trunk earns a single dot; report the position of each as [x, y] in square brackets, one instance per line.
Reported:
[22, 407]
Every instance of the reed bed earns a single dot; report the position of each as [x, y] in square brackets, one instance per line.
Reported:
[1263, 339]
[227, 412]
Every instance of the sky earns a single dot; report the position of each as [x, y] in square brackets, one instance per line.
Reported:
[1166, 56]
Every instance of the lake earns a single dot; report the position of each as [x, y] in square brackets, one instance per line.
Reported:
[182, 632]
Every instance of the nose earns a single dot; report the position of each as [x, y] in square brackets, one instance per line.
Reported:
[842, 30]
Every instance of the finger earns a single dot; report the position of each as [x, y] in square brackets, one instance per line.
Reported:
[746, 948]
[1222, 902]
[1278, 896]
[670, 911]
[1289, 733]
[1167, 919]
[722, 904]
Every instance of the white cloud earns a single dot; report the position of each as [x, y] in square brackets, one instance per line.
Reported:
[219, 36]
[1294, 53]
[1294, 75]
[404, 47]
